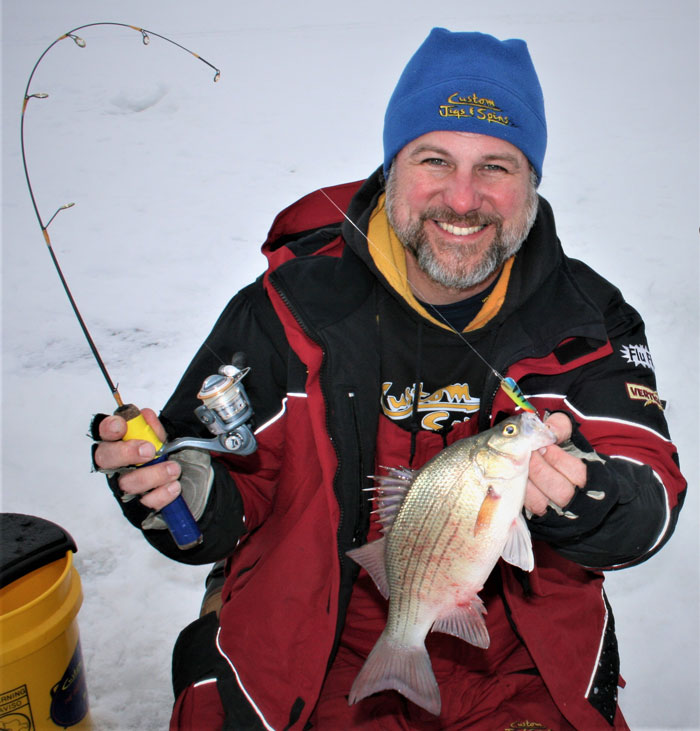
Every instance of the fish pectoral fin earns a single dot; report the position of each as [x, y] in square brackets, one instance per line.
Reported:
[487, 510]
[518, 548]
[371, 558]
[467, 623]
[404, 668]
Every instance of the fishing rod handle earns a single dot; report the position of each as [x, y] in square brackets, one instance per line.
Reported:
[177, 516]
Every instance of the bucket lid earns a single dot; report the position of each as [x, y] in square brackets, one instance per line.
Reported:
[27, 543]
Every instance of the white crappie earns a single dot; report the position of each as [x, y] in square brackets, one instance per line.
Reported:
[445, 527]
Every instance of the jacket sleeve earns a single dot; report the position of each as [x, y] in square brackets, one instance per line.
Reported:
[634, 490]
[243, 487]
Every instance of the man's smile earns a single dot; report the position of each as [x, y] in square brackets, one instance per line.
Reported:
[459, 230]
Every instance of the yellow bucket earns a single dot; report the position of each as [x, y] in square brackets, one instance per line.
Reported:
[42, 676]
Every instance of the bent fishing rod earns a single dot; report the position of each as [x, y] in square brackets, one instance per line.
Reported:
[225, 408]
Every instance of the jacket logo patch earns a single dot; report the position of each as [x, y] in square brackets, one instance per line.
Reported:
[638, 355]
[473, 105]
[451, 403]
[526, 725]
[637, 392]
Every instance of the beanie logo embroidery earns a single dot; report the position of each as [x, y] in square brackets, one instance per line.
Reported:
[474, 106]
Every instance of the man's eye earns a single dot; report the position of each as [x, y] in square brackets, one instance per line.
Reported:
[438, 161]
[493, 168]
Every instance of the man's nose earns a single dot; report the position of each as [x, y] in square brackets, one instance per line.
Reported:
[462, 193]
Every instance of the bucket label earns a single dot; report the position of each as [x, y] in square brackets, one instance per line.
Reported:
[15, 711]
[69, 697]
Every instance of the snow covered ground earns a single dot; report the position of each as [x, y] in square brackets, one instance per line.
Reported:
[176, 180]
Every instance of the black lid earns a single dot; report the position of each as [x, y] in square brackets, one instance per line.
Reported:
[27, 543]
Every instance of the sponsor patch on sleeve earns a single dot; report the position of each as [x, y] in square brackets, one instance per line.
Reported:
[638, 355]
[637, 392]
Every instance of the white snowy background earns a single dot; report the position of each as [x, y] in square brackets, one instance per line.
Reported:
[176, 180]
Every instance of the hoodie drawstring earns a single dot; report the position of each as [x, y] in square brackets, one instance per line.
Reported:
[415, 425]
[417, 388]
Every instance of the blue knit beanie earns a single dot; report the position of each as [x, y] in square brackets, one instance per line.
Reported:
[468, 82]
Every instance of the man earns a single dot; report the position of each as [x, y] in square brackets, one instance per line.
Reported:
[375, 338]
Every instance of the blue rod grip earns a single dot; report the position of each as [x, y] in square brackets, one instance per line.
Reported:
[177, 516]
[181, 524]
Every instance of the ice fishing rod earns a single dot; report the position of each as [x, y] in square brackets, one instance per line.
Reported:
[225, 408]
[72, 34]
[508, 384]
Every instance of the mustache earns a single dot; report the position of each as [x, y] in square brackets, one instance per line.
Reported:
[473, 218]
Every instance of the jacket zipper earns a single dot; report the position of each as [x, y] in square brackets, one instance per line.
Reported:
[359, 532]
[307, 331]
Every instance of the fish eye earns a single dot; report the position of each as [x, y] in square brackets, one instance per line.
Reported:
[510, 430]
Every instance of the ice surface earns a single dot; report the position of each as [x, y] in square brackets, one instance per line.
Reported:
[176, 181]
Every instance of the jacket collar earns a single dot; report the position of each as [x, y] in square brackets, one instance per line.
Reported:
[540, 276]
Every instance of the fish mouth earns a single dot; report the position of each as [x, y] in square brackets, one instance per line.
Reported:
[532, 423]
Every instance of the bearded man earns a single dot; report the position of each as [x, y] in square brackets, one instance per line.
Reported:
[389, 314]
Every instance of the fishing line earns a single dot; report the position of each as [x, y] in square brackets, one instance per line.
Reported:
[80, 42]
[507, 384]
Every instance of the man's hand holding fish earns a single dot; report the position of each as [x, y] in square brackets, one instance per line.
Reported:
[554, 473]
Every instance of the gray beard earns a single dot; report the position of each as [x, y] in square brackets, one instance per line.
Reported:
[461, 274]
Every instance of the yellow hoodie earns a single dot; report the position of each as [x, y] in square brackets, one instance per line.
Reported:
[389, 257]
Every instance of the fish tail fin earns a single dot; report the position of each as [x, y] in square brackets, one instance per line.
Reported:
[405, 669]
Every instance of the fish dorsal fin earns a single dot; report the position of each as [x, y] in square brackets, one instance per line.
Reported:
[518, 548]
[467, 623]
[371, 558]
[390, 492]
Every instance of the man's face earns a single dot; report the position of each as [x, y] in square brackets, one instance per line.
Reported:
[461, 204]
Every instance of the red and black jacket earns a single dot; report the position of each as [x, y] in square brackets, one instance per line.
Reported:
[286, 515]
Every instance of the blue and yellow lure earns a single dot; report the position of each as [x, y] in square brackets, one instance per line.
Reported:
[516, 395]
